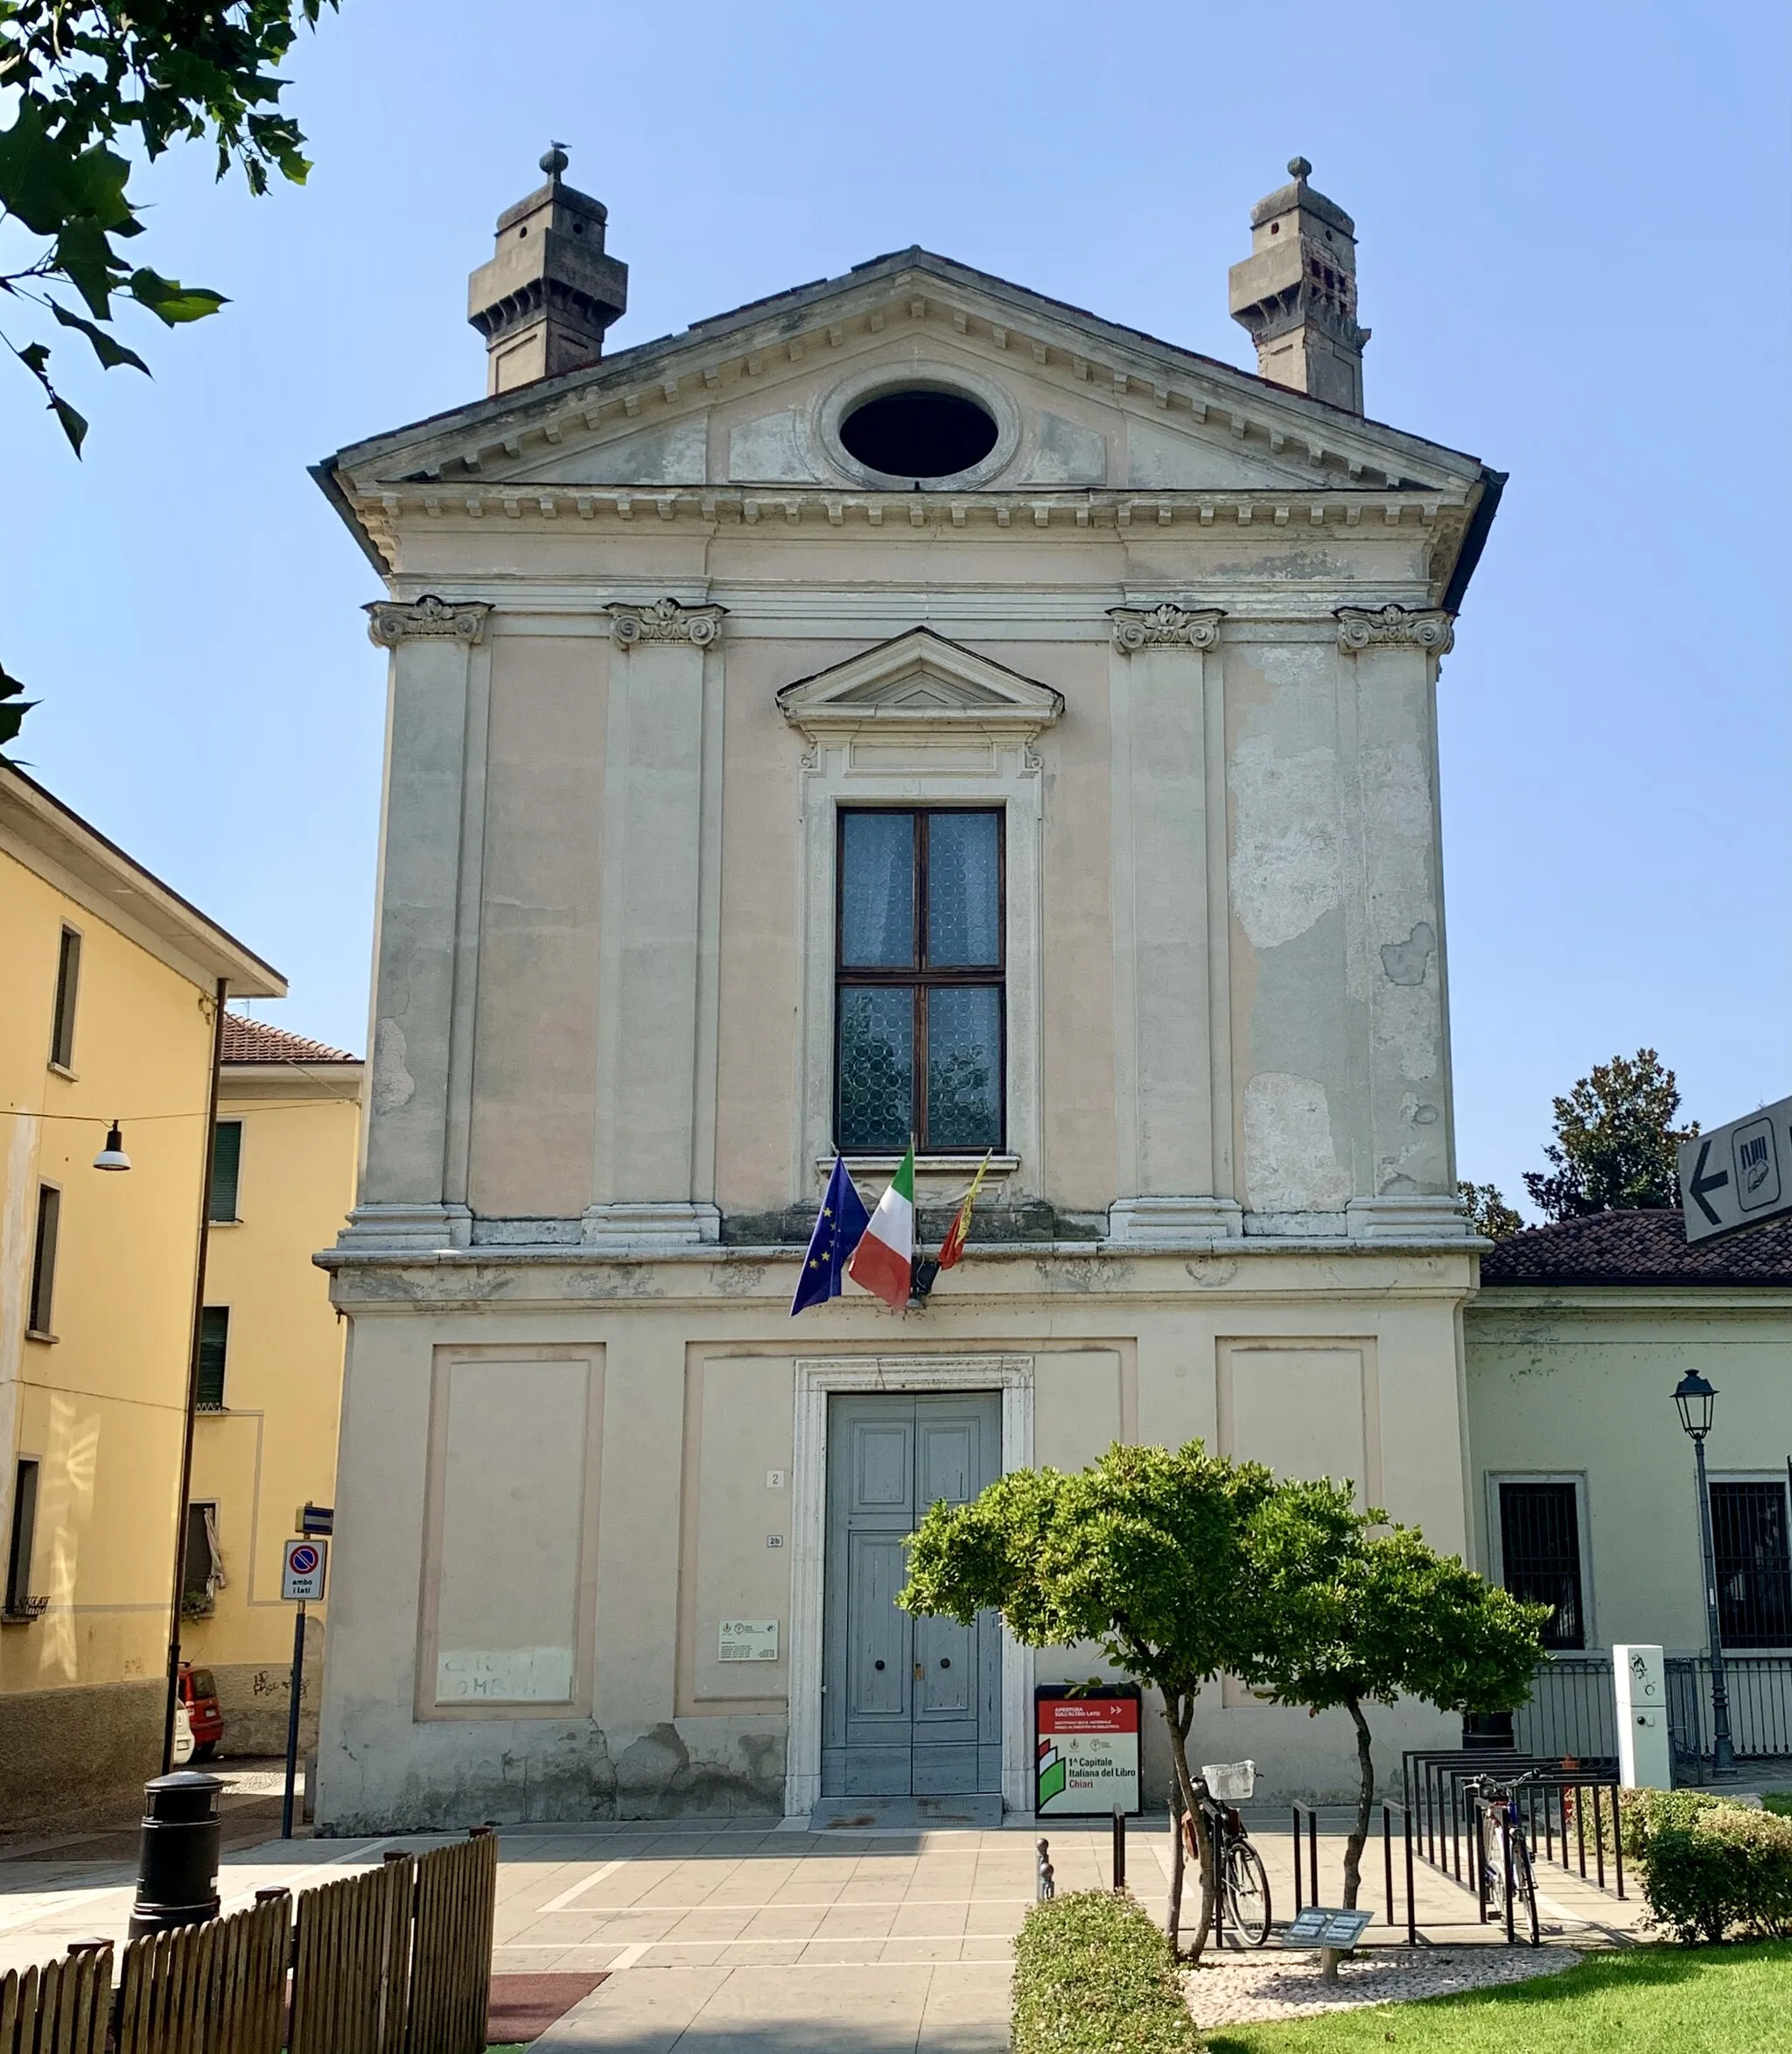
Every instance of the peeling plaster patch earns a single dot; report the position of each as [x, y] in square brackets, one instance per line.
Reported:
[1290, 1165]
[1405, 962]
[1406, 1028]
[1285, 864]
[394, 1085]
[1397, 791]
[677, 454]
[1420, 1115]
[1068, 453]
[766, 450]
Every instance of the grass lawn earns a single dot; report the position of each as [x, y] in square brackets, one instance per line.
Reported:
[1643, 2001]
[1780, 1801]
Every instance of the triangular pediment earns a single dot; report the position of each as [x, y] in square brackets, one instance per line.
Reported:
[919, 680]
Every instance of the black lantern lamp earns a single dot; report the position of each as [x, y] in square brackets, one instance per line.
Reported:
[1696, 1398]
[112, 1156]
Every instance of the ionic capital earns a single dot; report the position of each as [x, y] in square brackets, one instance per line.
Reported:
[1395, 628]
[391, 621]
[666, 621]
[1165, 627]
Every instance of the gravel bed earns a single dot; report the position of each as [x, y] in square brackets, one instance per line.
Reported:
[1284, 1982]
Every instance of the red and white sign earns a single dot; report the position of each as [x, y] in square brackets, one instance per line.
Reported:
[1087, 1758]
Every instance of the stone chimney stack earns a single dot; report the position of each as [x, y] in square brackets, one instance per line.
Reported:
[1297, 292]
[544, 300]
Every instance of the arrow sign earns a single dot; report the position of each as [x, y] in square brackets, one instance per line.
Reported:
[1739, 1175]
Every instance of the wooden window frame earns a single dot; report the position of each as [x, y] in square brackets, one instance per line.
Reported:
[920, 976]
[21, 1540]
[68, 996]
[40, 1307]
[218, 1403]
[233, 1217]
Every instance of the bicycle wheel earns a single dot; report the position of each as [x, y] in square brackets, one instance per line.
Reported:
[1524, 1889]
[1246, 1894]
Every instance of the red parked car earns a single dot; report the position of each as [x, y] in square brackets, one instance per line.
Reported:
[198, 1693]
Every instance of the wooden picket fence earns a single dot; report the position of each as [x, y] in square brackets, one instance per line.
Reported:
[395, 1960]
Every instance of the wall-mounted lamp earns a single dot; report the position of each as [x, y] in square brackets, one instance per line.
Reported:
[112, 1156]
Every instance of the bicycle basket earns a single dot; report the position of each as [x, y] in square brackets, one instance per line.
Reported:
[1230, 1782]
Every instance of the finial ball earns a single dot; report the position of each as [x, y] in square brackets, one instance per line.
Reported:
[1299, 167]
[556, 159]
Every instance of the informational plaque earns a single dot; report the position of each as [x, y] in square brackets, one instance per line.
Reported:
[1086, 1750]
[1326, 1926]
[747, 1640]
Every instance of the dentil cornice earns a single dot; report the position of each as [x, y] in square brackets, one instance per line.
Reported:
[1395, 628]
[391, 621]
[665, 620]
[1166, 626]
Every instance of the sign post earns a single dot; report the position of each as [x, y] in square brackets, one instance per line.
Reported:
[302, 1571]
[1086, 1751]
[1737, 1174]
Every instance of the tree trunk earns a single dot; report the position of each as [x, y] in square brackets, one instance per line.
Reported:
[1365, 1802]
[1178, 1715]
[1173, 1917]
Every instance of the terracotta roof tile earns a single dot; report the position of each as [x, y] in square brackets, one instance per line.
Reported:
[255, 1040]
[1640, 1248]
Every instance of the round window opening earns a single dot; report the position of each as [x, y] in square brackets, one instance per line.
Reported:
[919, 434]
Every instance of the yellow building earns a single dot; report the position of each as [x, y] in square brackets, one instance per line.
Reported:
[107, 1014]
[270, 1366]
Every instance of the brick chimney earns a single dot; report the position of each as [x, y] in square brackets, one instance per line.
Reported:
[544, 300]
[1297, 292]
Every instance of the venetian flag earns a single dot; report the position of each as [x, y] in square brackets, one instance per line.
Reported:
[884, 1261]
[953, 1247]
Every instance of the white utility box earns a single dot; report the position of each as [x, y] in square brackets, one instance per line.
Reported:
[1645, 1752]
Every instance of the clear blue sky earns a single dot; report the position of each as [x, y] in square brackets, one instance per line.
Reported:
[1574, 256]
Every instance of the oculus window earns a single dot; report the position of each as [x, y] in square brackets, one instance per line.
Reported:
[919, 1001]
[923, 433]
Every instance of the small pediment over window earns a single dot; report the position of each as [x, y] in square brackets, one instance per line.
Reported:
[919, 680]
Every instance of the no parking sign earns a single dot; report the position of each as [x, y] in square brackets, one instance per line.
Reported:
[302, 1571]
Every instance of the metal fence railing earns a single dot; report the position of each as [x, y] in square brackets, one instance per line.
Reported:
[1572, 1714]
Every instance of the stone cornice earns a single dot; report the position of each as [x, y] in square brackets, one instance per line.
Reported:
[391, 621]
[664, 621]
[1395, 628]
[1166, 626]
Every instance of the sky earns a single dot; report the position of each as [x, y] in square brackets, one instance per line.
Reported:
[1572, 253]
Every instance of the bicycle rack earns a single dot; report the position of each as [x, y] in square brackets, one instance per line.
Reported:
[1388, 1808]
[1312, 1851]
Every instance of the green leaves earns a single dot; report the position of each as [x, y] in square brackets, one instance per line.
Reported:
[170, 301]
[11, 716]
[1615, 1141]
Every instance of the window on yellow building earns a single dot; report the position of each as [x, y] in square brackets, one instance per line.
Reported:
[19, 1544]
[214, 1347]
[67, 981]
[204, 1577]
[43, 1262]
[226, 1168]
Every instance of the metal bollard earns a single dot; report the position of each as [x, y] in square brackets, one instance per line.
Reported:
[1119, 1852]
[1047, 1885]
[177, 1880]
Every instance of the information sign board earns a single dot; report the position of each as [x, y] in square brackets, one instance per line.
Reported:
[302, 1571]
[747, 1640]
[1086, 1751]
[1739, 1173]
[1326, 1926]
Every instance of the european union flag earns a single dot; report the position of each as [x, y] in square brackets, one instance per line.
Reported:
[842, 1220]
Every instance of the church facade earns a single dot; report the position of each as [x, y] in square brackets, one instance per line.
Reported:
[904, 707]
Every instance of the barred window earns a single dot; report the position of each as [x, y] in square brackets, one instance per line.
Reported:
[920, 1018]
[1753, 1564]
[1540, 1556]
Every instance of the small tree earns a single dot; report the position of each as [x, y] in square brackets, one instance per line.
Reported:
[1615, 1142]
[1350, 1616]
[1488, 1213]
[1142, 1553]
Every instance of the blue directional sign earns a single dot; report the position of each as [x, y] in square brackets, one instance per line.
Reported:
[1737, 1174]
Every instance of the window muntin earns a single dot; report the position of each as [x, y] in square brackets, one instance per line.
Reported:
[67, 985]
[919, 1020]
[43, 1296]
[1540, 1556]
[215, 1349]
[226, 1171]
[1753, 1563]
[23, 1535]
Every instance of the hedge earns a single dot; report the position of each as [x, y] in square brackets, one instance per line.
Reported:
[1093, 1975]
[1711, 1870]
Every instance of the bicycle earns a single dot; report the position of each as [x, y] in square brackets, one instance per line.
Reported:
[1505, 1852]
[1243, 1881]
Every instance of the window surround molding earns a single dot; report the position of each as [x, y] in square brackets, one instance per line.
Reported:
[919, 721]
[1496, 1551]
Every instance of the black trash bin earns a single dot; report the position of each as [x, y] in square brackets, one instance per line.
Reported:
[177, 1875]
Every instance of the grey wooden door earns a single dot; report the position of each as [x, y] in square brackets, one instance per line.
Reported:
[910, 1707]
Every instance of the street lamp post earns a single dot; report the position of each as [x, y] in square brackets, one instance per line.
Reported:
[1696, 1399]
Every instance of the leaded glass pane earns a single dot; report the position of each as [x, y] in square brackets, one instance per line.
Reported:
[877, 892]
[964, 1066]
[876, 1066]
[963, 891]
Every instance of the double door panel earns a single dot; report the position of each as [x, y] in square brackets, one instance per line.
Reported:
[910, 1706]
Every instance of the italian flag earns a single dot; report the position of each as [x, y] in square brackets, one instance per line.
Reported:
[883, 1260]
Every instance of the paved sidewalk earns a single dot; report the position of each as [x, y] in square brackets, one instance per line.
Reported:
[732, 1939]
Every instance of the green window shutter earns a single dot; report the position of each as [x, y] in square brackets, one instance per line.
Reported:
[214, 1346]
[226, 1162]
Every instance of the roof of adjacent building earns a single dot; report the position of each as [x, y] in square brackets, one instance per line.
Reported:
[1640, 1248]
[255, 1040]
